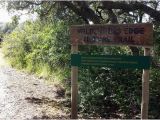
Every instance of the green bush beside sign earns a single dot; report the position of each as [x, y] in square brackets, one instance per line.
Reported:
[139, 62]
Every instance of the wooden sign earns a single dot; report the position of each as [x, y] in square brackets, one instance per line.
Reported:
[120, 34]
[115, 34]
[111, 61]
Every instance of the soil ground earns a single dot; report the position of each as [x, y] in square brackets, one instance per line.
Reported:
[24, 96]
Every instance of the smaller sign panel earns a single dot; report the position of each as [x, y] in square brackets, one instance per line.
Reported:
[113, 34]
[139, 62]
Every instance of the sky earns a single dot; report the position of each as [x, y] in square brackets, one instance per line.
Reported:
[6, 17]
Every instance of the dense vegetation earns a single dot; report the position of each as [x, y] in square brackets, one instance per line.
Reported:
[43, 47]
[39, 48]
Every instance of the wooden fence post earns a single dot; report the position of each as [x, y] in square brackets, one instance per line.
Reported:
[145, 89]
[74, 86]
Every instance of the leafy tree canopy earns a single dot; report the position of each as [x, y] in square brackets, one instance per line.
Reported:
[96, 11]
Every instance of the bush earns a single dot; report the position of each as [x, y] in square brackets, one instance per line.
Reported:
[39, 47]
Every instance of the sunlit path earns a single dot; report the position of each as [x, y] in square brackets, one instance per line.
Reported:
[23, 96]
[2, 61]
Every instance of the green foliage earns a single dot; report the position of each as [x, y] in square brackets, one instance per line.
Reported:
[44, 48]
[106, 91]
[39, 47]
[154, 94]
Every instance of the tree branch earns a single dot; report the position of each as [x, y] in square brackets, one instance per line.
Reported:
[82, 9]
[46, 12]
[131, 7]
[35, 3]
[74, 9]
[112, 16]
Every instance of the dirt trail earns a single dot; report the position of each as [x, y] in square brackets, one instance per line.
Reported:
[23, 96]
[2, 60]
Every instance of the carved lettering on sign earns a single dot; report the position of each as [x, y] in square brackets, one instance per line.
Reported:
[120, 34]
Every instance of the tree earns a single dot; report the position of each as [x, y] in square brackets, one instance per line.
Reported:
[89, 10]
[98, 12]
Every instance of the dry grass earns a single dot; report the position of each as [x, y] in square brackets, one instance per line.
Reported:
[2, 60]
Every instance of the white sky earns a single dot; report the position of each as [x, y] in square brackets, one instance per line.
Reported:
[6, 17]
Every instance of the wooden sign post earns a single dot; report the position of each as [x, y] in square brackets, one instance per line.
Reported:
[74, 85]
[120, 34]
[145, 89]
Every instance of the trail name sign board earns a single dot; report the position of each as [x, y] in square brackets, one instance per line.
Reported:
[115, 34]
[111, 61]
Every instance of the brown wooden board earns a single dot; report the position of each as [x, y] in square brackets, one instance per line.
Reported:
[114, 34]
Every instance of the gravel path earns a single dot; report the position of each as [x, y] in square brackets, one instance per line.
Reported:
[23, 96]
